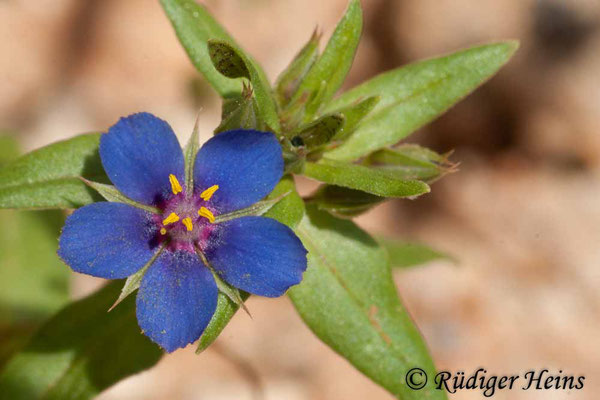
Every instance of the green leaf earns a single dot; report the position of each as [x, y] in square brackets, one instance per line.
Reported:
[132, 283]
[319, 132]
[229, 56]
[414, 95]
[343, 202]
[14, 336]
[290, 209]
[189, 152]
[194, 26]
[348, 299]
[353, 114]
[110, 193]
[231, 292]
[256, 209]
[329, 71]
[411, 161]
[33, 281]
[368, 180]
[287, 83]
[81, 351]
[226, 309]
[409, 254]
[9, 149]
[49, 177]
[240, 112]
[229, 300]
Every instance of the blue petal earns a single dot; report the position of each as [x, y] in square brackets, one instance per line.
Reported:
[138, 153]
[176, 300]
[107, 240]
[245, 164]
[258, 255]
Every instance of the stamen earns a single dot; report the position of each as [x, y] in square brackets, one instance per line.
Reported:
[171, 218]
[163, 231]
[207, 194]
[205, 212]
[175, 186]
[188, 223]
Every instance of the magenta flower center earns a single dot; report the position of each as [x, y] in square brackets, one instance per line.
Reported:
[187, 219]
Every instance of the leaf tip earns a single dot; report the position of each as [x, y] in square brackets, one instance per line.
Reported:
[514, 44]
[426, 188]
[114, 305]
[511, 46]
[355, 3]
[316, 35]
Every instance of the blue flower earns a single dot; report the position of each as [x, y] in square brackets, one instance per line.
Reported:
[178, 293]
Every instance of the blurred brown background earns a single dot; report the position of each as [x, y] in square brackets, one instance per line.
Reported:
[522, 215]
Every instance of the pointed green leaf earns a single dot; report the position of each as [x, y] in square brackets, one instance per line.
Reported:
[226, 309]
[410, 254]
[415, 94]
[132, 283]
[240, 112]
[194, 26]
[411, 161]
[256, 209]
[232, 293]
[110, 193]
[189, 152]
[229, 300]
[343, 202]
[329, 71]
[348, 299]
[353, 114]
[319, 132]
[49, 177]
[368, 180]
[287, 83]
[290, 209]
[231, 104]
[81, 351]
[230, 57]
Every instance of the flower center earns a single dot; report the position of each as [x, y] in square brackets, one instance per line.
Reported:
[186, 219]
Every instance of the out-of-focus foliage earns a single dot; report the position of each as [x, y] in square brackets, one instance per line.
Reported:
[80, 351]
[33, 281]
[411, 254]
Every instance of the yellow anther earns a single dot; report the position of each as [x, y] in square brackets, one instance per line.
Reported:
[207, 194]
[163, 231]
[205, 212]
[170, 219]
[188, 223]
[175, 186]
